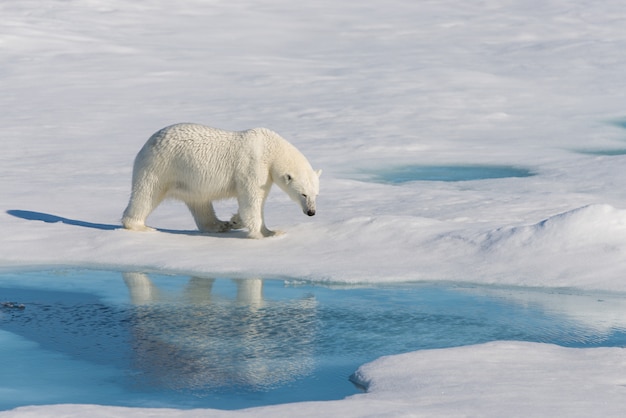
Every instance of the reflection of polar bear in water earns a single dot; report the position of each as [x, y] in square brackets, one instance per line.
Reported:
[198, 165]
[199, 341]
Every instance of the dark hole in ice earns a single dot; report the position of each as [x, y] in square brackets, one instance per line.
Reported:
[154, 340]
[448, 173]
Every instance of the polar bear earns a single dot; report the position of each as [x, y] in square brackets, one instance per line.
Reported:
[199, 164]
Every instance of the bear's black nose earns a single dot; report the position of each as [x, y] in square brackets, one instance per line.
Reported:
[310, 212]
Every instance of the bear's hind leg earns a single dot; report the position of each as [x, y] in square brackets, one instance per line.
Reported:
[206, 220]
[141, 205]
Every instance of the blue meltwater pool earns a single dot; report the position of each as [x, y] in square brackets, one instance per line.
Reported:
[446, 173]
[155, 340]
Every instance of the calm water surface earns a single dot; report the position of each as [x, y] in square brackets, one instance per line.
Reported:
[135, 339]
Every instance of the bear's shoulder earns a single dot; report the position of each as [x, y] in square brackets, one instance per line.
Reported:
[260, 132]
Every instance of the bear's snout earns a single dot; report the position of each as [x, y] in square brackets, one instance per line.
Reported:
[310, 212]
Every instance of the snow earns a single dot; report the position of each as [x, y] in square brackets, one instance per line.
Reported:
[357, 87]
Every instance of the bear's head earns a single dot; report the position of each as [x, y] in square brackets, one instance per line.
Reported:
[301, 186]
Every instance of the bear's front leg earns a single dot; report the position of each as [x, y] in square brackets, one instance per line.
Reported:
[257, 230]
[236, 223]
[250, 216]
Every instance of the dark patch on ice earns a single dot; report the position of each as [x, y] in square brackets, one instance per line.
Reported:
[447, 173]
[604, 152]
[12, 305]
[620, 123]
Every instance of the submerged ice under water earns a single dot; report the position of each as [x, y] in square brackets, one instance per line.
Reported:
[136, 339]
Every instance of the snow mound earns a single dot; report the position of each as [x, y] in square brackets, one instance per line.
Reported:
[577, 248]
[557, 379]
[588, 225]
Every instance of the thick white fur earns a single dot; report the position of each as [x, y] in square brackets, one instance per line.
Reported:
[198, 165]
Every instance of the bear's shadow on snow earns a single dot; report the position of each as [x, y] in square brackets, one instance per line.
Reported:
[49, 218]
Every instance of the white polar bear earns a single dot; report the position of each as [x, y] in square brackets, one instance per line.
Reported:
[198, 164]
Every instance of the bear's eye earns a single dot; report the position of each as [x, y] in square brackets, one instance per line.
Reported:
[303, 195]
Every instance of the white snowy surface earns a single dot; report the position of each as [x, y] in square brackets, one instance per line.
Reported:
[357, 86]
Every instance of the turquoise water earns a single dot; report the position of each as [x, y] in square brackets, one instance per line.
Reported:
[604, 152]
[447, 173]
[135, 339]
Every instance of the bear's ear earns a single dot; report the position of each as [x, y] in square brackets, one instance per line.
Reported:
[318, 172]
[287, 178]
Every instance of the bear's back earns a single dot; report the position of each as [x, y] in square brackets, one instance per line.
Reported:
[190, 137]
[191, 150]
[192, 144]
